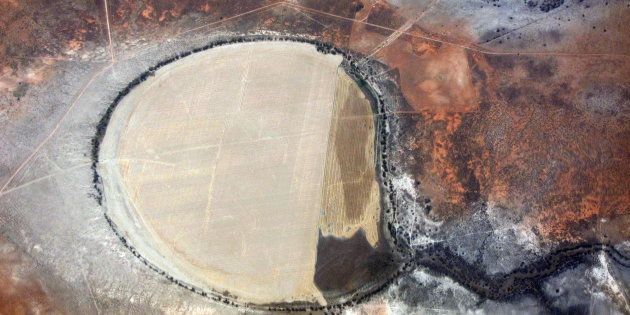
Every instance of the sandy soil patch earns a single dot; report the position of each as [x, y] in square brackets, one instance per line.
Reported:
[221, 168]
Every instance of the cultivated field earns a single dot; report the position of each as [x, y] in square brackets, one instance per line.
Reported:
[221, 167]
[351, 193]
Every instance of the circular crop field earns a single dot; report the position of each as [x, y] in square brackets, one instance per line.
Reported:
[249, 172]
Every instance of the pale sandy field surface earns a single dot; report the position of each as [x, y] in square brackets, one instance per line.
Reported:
[351, 193]
[504, 130]
[221, 167]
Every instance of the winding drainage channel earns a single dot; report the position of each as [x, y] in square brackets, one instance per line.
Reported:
[524, 280]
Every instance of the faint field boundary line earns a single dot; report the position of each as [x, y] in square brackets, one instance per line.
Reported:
[463, 46]
[472, 47]
[109, 32]
[231, 18]
[307, 9]
[91, 80]
[520, 27]
[56, 127]
[403, 29]
[47, 176]
[326, 26]
[196, 28]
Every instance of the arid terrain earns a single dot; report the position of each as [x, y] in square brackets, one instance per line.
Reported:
[351, 195]
[474, 153]
[236, 207]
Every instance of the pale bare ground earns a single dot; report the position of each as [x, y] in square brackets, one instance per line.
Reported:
[220, 163]
[351, 196]
[223, 168]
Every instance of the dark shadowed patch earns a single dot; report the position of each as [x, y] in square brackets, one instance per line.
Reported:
[560, 99]
[463, 156]
[500, 62]
[548, 5]
[345, 265]
[554, 35]
[386, 16]
[345, 8]
[21, 89]
[510, 93]
[605, 99]
[478, 75]
[488, 36]
[540, 69]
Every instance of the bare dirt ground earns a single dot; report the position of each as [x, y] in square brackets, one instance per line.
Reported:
[514, 143]
[221, 157]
